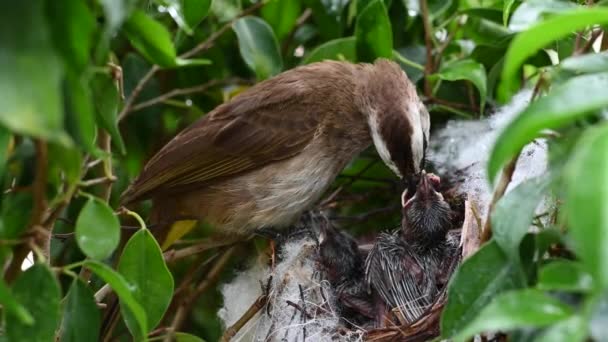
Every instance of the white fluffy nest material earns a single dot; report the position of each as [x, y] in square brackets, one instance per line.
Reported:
[300, 304]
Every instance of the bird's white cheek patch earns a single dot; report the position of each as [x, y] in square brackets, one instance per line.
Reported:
[380, 144]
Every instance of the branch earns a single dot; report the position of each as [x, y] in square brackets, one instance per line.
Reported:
[182, 91]
[428, 42]
[186, 304]
[501, 188]
[205, 45]
[37, 216]
[247, 316]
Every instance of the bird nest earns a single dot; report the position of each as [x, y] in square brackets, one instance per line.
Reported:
[295, 302]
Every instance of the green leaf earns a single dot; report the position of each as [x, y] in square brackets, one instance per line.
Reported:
[573, 329]
[97, 229]
[527, 43]
[514, 212]
[183, 337]
[5, 140]
[337, 49]
[16, 209]
[38, 291]
[81, 317]
[487, 32]
[564, 104]
[534, 11]
[507, 4]
[12, 307]
[478, 279]
[258, 46]
[281, 15]
[30, 86]
[373, 32]
[195, 11]
[467, 69]
[66, 163]
[80, 115]
[179, 62]
[106, 107]
[411, 59]
[517, 309]
[176, 11]
[565, 275]
[589, 63]
[122, 289]
[143, 266]
[72, 26]
[586, 202]
[151, 39]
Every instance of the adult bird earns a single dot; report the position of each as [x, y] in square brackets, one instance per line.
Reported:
[407, 267]
[264, 157]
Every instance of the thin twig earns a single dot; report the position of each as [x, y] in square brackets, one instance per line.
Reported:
[186, 304]
[589, 44]
[247, 316]
[299, 22]
[37, 216]
[501, 188]
[428, 42]
[205, 45]
[176, 92]
[208, 244]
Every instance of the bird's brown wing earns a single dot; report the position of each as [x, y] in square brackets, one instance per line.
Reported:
[252, 130]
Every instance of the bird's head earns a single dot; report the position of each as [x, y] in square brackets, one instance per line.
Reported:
[338, 253]
[398, 120]
[426, 214]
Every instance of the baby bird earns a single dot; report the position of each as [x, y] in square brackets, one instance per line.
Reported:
[403, 268]
[342, 263]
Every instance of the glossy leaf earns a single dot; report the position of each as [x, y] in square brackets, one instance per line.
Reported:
[66, 163]
[475, 283]
[38, 291]
[106, 105]
[533, 11]
[12, 307]
[373, 33]
[175, 9]
[72, 25]
[81, 316]
[281, 15]
[122, 289]
[183, 337]
[80, 113]
[143, 266]
[565, 275]
[5, 140]
[573, 329]
[506, 11]
[16, 209]
[467, 69]
[97, 229]
[564, 104]
[589, 63]
[195, 11]
[30, 86]
[527, 43]
[151, 39]
[337, 49]
[513, 214]
[517, 309]
[258, 46]
[586, 202]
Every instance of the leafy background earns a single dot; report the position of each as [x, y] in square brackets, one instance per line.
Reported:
[90, 89]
